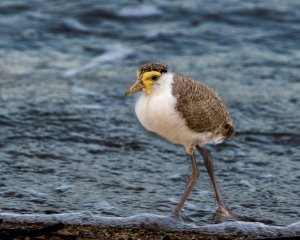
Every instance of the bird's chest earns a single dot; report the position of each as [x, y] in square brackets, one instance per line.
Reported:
[157, 114]
[155, 110]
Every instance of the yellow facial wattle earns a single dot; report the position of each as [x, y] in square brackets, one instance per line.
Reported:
[148, 84]
[149, 78]
[143, 82]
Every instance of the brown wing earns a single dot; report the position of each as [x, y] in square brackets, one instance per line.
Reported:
[199, 105]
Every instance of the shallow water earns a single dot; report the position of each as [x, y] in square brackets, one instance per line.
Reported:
[69, 140]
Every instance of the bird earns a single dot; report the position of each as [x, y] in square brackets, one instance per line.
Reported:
[184, 112]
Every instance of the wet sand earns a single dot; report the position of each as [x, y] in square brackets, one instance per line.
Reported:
[60, 231]
[144, 226]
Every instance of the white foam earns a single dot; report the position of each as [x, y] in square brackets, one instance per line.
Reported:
[161, 32]
[139, 11]
[157, 222]
[76, 25]
[63, 187]
[36, 193]
[113, 53]
[88, 106]
[82, 91]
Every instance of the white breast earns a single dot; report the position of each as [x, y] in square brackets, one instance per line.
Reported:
[156, 112]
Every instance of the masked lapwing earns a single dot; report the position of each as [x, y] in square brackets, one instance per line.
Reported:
[184, 112]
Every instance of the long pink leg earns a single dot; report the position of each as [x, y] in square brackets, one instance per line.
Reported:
[190, 184]
[222, 211]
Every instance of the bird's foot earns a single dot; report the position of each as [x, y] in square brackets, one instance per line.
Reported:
[223, 214]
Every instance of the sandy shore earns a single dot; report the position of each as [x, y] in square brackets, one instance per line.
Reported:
[80, 232]
[145, 226]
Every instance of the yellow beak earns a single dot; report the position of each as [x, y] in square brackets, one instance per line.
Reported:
[136, 87]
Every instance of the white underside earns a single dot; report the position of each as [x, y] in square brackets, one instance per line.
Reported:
[156, 112]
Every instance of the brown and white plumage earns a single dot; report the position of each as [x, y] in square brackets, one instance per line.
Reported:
[184, 112]
[201, 107]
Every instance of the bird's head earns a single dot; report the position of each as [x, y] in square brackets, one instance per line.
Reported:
[147, 75]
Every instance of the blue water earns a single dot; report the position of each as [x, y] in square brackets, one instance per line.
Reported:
[69, 139]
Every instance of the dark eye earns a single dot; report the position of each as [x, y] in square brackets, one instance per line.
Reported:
[154, 78]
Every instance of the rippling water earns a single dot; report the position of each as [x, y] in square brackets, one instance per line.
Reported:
[69, 140]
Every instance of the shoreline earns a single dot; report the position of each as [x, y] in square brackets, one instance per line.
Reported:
[79, 232]
[143, 226]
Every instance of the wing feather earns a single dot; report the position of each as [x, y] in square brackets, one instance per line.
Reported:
[200, 106]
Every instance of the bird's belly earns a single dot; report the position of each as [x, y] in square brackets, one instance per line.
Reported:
[157, 114]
